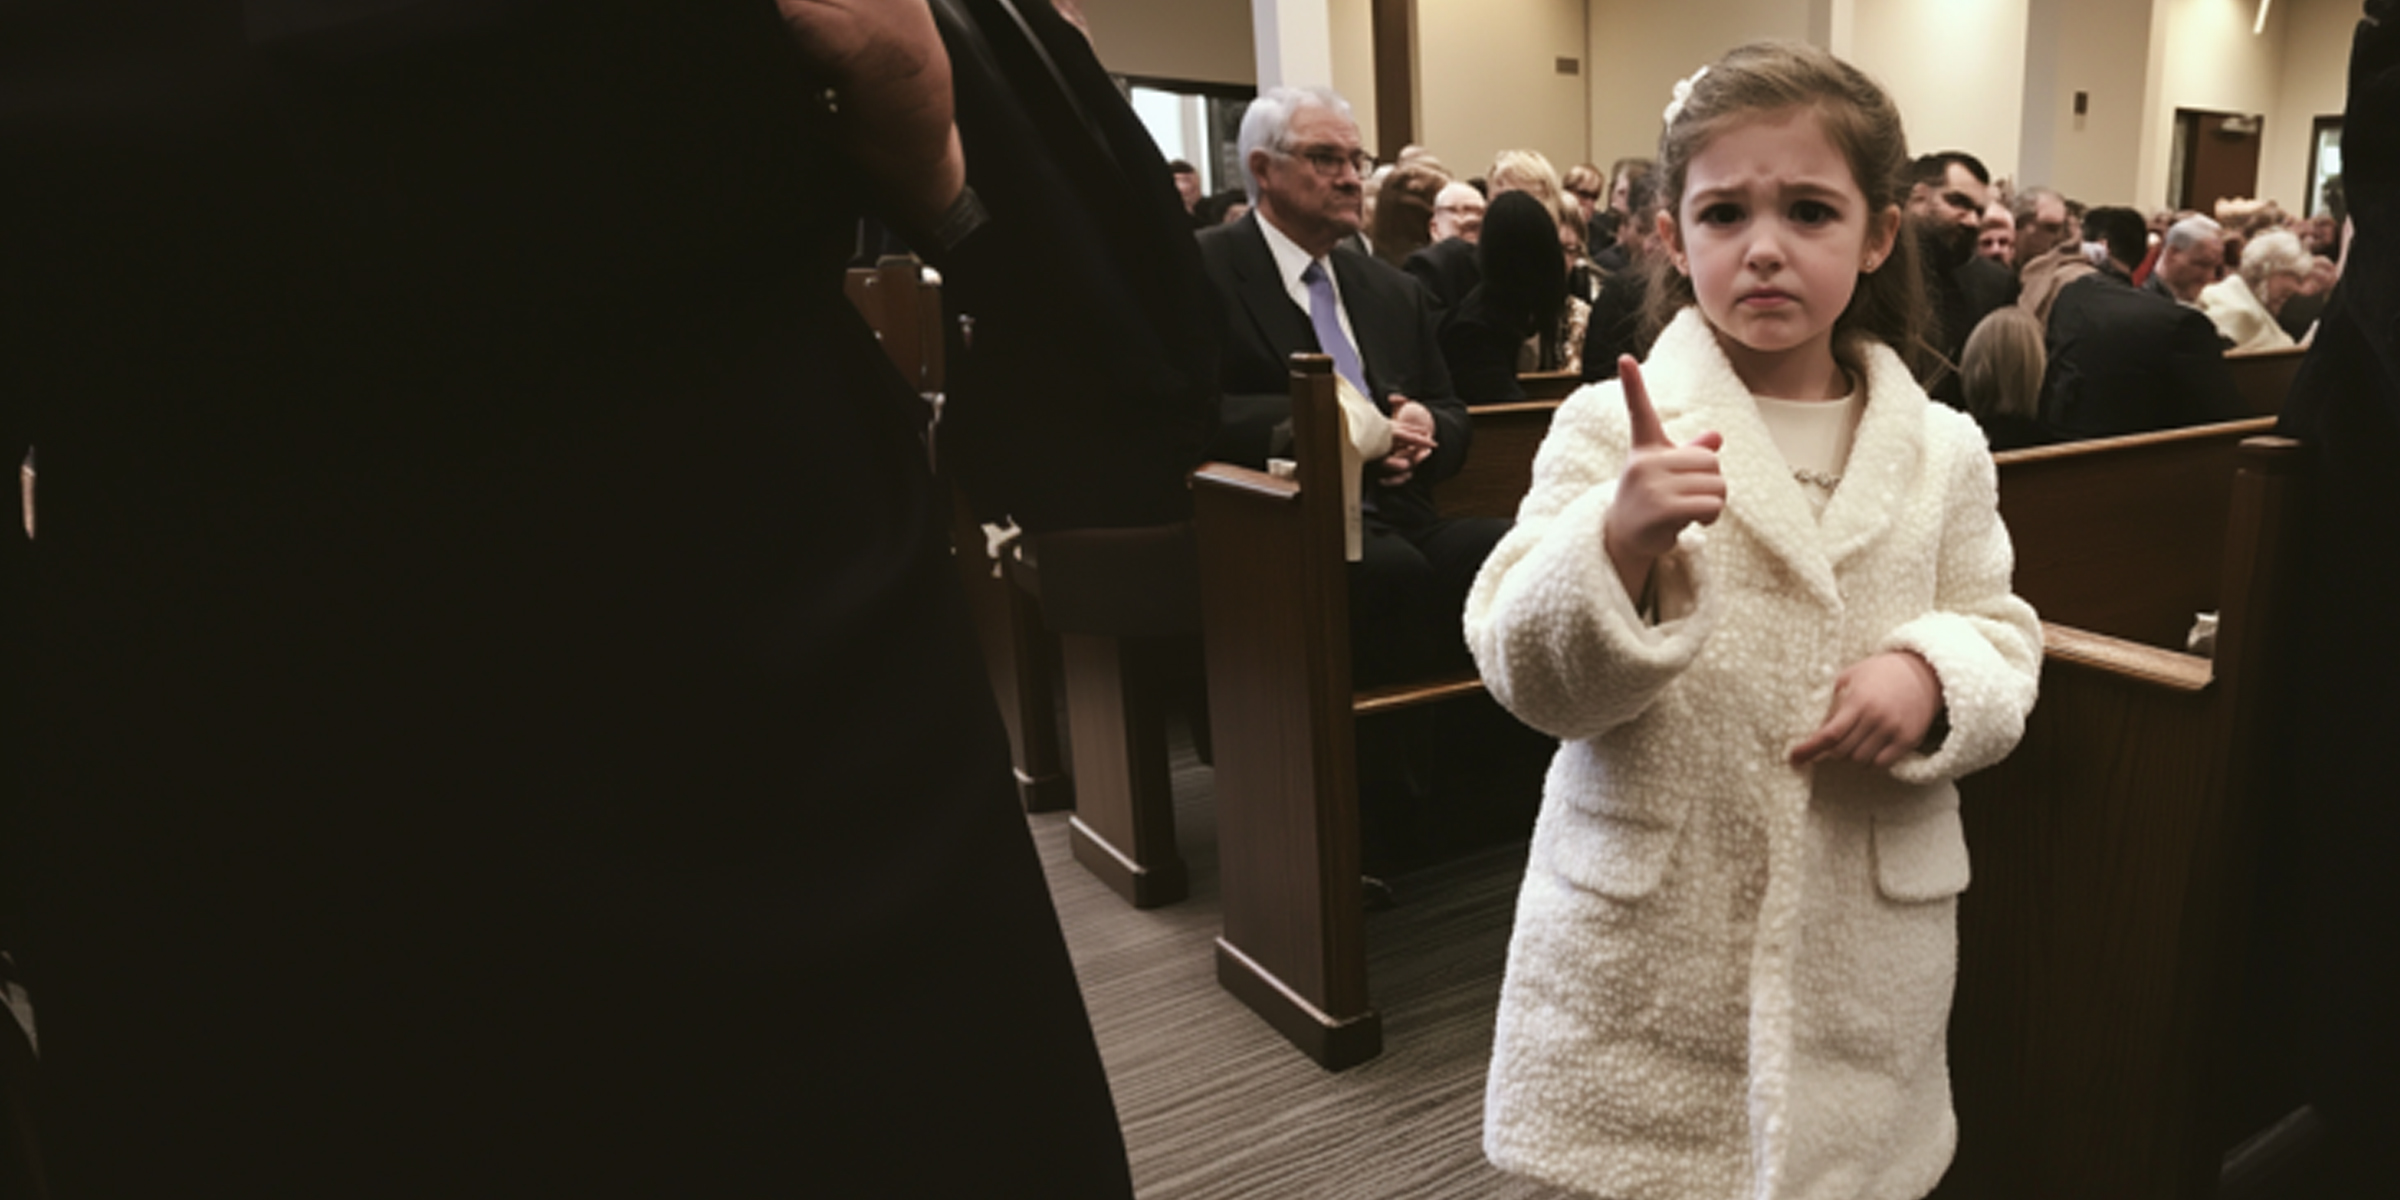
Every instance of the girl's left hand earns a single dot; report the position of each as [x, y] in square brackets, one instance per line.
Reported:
[1881, 710]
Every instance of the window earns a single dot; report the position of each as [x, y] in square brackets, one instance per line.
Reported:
[1196, 122]
[2324, 187]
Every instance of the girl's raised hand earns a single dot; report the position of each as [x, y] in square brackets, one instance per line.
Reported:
[1664, 488]
[1882, 707]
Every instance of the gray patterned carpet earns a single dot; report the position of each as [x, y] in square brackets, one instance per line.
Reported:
[1216, 1105]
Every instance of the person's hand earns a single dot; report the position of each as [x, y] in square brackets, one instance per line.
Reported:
[1412, 440]
[1882, 707]
[892, 81]
[1664, 488]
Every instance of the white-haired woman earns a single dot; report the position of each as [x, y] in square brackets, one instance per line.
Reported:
[2244, 304]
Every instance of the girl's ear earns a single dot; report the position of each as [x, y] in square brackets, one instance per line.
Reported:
[1881, 233]
[1670, 235]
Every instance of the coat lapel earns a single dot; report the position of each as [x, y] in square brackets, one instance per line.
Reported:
[1693, 375]
[1279, 321]
[1885, 458]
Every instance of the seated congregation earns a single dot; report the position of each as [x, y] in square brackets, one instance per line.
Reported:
[1430, 329]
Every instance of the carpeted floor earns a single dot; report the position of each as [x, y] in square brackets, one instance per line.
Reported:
[1217, 1105]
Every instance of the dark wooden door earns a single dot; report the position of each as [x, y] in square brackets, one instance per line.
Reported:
[2219, 156]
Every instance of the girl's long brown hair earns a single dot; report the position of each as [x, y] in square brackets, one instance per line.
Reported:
[1862, 122]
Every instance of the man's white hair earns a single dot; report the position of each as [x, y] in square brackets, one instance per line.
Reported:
[1268, 122]
[2191, 231]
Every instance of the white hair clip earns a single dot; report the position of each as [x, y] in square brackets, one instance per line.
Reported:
[1683, 93]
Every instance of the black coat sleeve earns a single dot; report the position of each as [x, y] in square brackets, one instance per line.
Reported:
[2200, 373]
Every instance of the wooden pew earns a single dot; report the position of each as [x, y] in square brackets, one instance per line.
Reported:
[2264, 376]
[1274, 593]
[2101, 941]
[1549, 385]
[905, 311]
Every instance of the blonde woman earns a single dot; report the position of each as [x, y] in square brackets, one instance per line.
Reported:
[2000, 375]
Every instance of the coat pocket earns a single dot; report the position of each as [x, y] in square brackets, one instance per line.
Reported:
[1921, 855]
[1613, 857]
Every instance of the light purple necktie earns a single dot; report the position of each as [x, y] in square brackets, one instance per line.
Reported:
[1323, 313]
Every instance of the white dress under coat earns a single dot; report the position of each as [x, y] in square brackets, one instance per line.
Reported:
[1731, 977]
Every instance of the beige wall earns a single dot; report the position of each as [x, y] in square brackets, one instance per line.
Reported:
[1353, 24]
[1640, 48]
[1950, 101]
[2316, 54]
[1206, 40]
[1487, 80]
[2208, 59]
[2079, 46]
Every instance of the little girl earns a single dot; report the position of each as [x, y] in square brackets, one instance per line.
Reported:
[1760, 592]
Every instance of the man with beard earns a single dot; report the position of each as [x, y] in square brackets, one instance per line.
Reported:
[1945, 211]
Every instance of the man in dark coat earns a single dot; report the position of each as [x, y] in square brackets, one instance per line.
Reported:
[1945, 213]
[1301, 149]
[2125, 361]
[507, 724]
[1286, 283]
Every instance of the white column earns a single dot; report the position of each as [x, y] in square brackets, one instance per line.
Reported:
[1294, 39]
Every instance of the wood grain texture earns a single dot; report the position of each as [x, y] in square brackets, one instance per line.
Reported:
[1275, 605]
[2263, 377]
[1499, 466]
[1124, 826]
[1275, 600]
[2102, 942]
[2123, 536]
[1018, 656]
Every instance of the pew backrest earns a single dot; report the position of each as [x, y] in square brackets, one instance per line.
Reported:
[1499, 467]
[1549, 385]
[905, 311]
[2122, 536]
[2264, 376]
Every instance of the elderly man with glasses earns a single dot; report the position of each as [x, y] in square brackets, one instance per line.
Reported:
[1289, 281]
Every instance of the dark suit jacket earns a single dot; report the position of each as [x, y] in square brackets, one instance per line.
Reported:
[1448, 269]
[1394, 321]
[2124, 361]
[1963, 296]
[1089, 247]
[1616, 324]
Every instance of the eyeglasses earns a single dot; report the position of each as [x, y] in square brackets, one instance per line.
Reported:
[1591, 194]
[1329, 161]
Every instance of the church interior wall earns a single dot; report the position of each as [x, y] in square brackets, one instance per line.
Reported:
[2001, 84]
[1969, 98]
[1488, 80]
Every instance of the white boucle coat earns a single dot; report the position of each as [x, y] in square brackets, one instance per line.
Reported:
[1731, 977]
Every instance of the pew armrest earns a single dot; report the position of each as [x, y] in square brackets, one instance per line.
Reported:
[2168, 669]
[1242, 481]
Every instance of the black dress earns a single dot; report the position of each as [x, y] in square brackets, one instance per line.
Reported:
[505, 721]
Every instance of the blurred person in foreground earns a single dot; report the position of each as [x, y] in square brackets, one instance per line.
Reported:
[508, 722]
[2331, 846]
